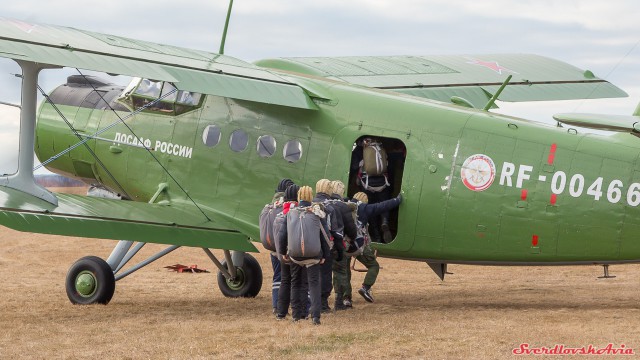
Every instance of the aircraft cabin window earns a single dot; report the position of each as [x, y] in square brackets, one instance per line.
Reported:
[238, 140]
[292, 151]
[266, 146]
[211, 135]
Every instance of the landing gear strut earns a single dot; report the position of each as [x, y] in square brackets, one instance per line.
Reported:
[91, 280]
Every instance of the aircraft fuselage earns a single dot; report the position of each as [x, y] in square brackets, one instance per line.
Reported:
[477, 187]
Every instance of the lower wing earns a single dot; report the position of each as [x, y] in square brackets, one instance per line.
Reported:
[83, 216]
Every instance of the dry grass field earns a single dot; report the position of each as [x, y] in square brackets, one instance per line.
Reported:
[477, 313]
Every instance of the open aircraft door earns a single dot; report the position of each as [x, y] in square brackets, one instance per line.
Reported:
[404, 173]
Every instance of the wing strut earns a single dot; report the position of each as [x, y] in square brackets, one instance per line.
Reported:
[23, 180]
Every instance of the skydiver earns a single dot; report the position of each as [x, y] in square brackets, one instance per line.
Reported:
[278, 198]
[340, 267]
[305, 265]
[334, 222]
[367, 211]
[284, 294]
[371, 154]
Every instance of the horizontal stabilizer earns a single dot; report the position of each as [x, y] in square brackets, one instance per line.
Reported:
[626, 123]
[472, 77]
[118, 220]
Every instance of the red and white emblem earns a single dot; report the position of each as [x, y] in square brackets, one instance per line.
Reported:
[492, 65]
[478, 172]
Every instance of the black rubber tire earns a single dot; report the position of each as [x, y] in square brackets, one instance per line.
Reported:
[252, 279]
[105, 281]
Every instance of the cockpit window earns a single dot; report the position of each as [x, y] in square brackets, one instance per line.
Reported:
[166, 89]
[149, 88]
[142, 92]
[188, 98]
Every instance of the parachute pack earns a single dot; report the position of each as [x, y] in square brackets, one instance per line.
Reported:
[303, 229]
[373, 167]
[374, 158]
[267, 217]
[356, 246]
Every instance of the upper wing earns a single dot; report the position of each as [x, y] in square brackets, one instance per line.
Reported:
[191, 70]
[473, 77]
[119, 220]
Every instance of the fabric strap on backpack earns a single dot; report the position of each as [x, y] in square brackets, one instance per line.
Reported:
[365, 183]
[324, 233]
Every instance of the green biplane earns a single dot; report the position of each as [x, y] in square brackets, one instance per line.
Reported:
[195, 144]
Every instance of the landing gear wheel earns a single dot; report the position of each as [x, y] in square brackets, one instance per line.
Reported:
[90, 280]
[248, 281]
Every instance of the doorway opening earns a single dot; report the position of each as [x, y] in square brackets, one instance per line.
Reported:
[377, 167]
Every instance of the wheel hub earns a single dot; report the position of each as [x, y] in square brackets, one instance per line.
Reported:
[86, 284]
[238, 282]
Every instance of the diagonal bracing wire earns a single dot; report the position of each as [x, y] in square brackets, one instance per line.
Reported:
[92, 136]
[95, 156]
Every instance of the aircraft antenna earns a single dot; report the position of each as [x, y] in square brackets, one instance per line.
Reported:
[226, 26]
[495, 96]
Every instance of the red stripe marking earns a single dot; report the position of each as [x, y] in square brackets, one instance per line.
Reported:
[552, 154]
[534, 240]
[523, 195]
[553, 199]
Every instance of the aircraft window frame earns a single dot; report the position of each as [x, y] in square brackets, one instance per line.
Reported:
[266, 146]
[239, 140]
[166, 88]
[133, 84]
[206, 135]
[292, 156]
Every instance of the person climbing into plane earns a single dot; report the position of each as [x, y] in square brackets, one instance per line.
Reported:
[367, 257]
[370, 157]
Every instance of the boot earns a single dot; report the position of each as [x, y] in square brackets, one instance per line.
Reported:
[325, 306]
[386, 233]
[339, 303]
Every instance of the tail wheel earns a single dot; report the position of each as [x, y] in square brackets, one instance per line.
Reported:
[248, 280]
[90, 280]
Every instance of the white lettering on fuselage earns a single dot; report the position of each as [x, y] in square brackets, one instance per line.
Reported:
[160, 146]
[575, 185]
[506, 174]
[523, 174]
[508, 169]
[173, 149]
